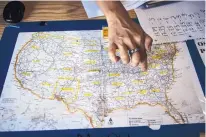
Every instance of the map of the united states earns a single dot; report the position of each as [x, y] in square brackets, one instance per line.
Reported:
[75, 71]
[72, 69]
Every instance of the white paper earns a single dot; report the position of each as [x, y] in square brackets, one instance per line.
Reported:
[129, 5]
[179, 21]
[65, 80]
[200, 43]
[93, 10]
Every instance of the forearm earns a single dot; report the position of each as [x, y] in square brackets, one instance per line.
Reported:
[113, 9]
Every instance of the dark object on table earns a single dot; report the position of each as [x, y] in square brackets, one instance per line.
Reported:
[152, 4]
[14, 12]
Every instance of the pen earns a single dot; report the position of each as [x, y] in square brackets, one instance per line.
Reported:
[157, 3]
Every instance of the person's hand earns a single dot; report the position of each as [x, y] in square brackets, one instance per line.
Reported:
[125, 35]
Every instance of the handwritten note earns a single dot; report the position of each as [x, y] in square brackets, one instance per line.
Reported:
[175, 22]
[200, 43]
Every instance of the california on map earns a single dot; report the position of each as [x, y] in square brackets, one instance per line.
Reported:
[65, 80]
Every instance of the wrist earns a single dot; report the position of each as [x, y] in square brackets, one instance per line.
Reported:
[113, 10]
[117, 15]
[118, 18]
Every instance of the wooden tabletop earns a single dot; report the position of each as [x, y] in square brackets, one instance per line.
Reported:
[54, 10]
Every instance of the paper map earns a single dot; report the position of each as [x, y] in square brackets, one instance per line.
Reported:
[65, 80]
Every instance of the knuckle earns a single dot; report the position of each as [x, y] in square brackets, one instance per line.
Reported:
[111, 37]
[131, 43]
[139, 39]
[119, 41]
[111, 49]
[111, 42]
